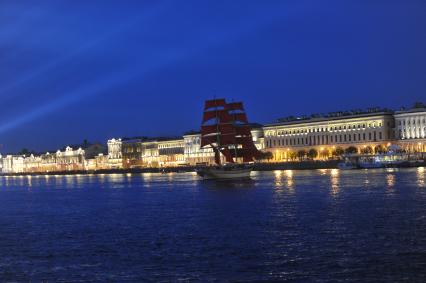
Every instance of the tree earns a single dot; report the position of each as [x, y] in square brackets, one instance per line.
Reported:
[265, 155]
[292, 155]
[418, 104]
[312, 153]
[351, 150]
[338, 152]
[367, 150]
[380, 149]
[325, 153]
[301, 154]
[24, 151]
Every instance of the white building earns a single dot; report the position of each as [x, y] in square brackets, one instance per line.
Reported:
[13, 164]
[171, 152]
[325, 133]
[410, 128]
[70, 159]
[115, 153]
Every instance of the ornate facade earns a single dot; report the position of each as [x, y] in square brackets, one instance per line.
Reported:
[410, 129]
[326, 133]
[115, 155]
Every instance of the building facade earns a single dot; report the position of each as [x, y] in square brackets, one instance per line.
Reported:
[13, 164]
[410, 129]
[328, 132]
[70, 159]
[171, 152]
[115, 155]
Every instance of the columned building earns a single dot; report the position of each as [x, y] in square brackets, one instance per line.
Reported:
[171, 152]
[70, 159]
[132, 153]
[115, 156]
[325, 133]
[13, 164]
[193, 152]
[410, 128]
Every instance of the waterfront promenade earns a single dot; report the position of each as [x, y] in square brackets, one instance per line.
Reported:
[260, 166]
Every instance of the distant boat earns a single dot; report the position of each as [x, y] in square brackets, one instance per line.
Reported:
[346, 166]
[370, 162]
[226, 130]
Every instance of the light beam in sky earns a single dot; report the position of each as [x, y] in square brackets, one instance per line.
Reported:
[116, 79]
[52, 65]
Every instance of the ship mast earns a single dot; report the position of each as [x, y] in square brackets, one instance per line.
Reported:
[230, 128]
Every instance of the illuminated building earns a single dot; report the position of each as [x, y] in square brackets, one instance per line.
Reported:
[324, 133]
[13, 164]
[258, 136]
[152, 152]
[70, 159]
[115, 156]
[32, 164]
[132, 153]
[410, 128]
[48, 163]
[193, 152]
[171, 152]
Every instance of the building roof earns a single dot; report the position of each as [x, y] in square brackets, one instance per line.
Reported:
[329, 117]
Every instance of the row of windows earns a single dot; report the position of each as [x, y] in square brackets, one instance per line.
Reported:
[325, 129]
[171, 145]
[413, 134]
[324, 140]
[409, 122]
[414, 128]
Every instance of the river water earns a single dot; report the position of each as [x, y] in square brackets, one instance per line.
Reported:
[300, 226]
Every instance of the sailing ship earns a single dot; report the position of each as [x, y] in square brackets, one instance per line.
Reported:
[226, 130]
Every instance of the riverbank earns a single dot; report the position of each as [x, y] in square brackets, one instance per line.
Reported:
[305, 165]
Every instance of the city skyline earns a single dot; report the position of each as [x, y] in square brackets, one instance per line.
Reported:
[146, 68]
[281, 120]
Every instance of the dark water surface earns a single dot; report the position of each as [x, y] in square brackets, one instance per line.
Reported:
[303, 226]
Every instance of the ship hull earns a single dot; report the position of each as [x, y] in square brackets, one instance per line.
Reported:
[224, 173]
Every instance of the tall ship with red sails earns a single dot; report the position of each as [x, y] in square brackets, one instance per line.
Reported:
[226, 130]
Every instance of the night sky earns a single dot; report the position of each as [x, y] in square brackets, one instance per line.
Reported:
[74, 70]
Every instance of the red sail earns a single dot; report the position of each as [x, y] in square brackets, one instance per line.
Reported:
[235, 106]
[229, 132]
[226, 140]
[228, 156]
[222, 116]
[243, 130]
[227, 129]
[214, 103]
[209, 129]
[240, 117]
[216, 155]
[208, 140]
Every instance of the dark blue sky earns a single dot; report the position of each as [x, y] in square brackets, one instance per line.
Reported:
[71, 70]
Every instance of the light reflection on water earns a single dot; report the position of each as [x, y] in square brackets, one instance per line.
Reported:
[284, 179]
[334, 174]
[176, 227]
[421, 177]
